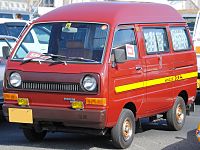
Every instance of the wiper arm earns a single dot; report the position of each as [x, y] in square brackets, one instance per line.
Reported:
[30, 59]
[55, 57]
[58, 62]
[58, 59]
[50, 56]
[80, 59]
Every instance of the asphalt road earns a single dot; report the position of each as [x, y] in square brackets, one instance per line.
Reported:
[154, 137]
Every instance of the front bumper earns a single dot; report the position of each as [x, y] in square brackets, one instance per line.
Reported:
[68, 117]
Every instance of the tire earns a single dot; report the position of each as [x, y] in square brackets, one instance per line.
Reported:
[176, 116]
[34, 136]
[120, 138]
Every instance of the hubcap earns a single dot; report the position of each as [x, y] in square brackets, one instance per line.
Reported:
[179, 114]
[127, 129]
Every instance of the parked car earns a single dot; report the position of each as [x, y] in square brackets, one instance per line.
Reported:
[5, 41]
[12, 27]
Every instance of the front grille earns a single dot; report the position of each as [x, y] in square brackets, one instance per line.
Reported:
[67, 87]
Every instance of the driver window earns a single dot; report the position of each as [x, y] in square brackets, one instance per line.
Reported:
[125, 39]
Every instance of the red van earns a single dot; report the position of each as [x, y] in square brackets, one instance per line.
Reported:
[99, 69]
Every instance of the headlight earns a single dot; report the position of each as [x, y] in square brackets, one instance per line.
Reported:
[89, 83]
[15, 79]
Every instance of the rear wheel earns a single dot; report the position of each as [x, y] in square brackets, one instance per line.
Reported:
[123, 132]
[176, 115]
[33, 136]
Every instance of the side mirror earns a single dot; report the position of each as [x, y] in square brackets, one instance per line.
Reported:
[119, 55]
[6, 52]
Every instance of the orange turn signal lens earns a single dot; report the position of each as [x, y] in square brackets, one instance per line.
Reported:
[96, 101]
[10, 96]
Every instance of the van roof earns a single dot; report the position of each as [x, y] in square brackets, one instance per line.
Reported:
[114, 13]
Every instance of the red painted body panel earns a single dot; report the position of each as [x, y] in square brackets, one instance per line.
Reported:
[148, 100]
[114, 13]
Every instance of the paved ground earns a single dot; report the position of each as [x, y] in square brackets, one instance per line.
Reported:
[154, 137]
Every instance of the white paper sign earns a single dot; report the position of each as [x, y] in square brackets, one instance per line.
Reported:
[130, 50]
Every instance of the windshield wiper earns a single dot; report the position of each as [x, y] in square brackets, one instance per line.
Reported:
[80, 59]
[58, 62]
[30, 59]
[64, 60]
[50, 56]
[55, 57]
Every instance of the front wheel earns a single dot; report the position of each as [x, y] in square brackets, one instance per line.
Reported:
[176, 115]
[123, 132]
[33, 136]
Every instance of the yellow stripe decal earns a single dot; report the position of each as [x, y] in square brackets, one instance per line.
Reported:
[138, 85]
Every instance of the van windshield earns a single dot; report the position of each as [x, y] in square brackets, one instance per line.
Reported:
[83, 41]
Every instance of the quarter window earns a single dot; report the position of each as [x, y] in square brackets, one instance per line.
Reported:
[125, 39]
[180, 39]
[155, 40]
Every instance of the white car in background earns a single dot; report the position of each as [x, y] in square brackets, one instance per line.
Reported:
[12, 27]
[38, 37]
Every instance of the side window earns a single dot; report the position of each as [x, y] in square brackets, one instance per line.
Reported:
[3, 30]
[180, 39]
[125, 39]
[156, 40]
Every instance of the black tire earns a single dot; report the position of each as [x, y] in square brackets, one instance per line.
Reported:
[176, 119]
[118, 138]
[34, 136]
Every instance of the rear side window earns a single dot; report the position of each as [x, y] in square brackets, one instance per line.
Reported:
[125, 39]
[3, 30]
[180, 39]
[155, 40]
[5, 15]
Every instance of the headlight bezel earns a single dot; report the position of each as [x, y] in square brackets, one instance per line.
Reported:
[18, 77]
[94, 86]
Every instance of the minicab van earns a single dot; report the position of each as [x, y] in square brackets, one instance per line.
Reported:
[106, 66]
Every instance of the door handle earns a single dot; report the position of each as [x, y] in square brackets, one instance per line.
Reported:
[138, 68]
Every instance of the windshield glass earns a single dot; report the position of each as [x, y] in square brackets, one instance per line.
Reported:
[72, 40]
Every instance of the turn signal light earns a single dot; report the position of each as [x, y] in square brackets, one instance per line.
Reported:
[10, 96]
[96, 101]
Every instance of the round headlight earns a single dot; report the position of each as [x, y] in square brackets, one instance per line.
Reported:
[89, 83]
[15, 79]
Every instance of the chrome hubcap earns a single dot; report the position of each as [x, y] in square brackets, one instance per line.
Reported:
[179, 114]
[127, 129]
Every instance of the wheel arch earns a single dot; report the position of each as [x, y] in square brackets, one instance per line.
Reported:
[131, 106]
[184, 95]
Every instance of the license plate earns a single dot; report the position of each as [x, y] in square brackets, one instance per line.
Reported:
[198, 83]
[23, 101]
[77, 105]
[20, 115]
